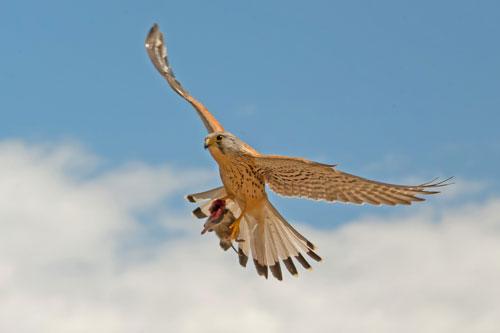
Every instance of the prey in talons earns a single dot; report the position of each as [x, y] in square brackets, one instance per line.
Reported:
[221, 220]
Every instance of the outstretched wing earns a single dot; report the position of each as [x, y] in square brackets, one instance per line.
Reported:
[298, 177]
[157, 52]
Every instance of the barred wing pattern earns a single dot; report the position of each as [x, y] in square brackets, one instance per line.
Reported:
[297, 177]
[157, 51]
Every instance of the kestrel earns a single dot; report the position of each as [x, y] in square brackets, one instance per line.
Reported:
[249, 218]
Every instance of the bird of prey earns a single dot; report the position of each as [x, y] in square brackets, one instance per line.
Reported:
[258, 229]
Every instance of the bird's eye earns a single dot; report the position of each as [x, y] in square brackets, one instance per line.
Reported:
[219, 137]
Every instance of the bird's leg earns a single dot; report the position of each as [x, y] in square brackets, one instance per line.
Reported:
[235, 227]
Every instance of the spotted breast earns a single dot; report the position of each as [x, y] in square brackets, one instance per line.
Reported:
[241, 181]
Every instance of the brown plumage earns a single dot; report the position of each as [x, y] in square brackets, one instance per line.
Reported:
[298, 177]
[258, 228]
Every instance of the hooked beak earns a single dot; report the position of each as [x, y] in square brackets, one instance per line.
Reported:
[208, 142]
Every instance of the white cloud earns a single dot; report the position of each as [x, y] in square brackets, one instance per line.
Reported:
[68, 262]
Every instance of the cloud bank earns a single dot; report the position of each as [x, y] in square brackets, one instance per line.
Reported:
[89, 251]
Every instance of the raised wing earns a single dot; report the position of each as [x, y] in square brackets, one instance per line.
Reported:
[298, 177]
[157, 52]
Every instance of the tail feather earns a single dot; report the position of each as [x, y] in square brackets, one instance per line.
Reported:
[303, 261]
[313, 255]
[272, 256]
[270, 238]
[290, 227]
[280, 248]
[301, 247]
[244, 244]
[255, 244]
[290, 250]
[264, 235]
[276, 271]
[260, 247]
[290, 266]
[261, 269]
[243, 258]
[301, 241]
[270, 246]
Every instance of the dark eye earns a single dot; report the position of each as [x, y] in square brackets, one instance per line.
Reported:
[219, 137]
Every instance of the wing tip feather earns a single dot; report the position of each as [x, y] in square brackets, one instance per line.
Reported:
[198, 213]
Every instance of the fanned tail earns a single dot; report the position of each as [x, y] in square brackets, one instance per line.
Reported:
[269, 238]
[264, 235]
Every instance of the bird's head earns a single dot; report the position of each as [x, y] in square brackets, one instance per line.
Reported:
[225, 143]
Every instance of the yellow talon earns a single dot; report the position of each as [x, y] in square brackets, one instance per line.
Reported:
[235, 228]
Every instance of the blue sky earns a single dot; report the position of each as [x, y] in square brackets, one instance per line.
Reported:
[389, 90]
